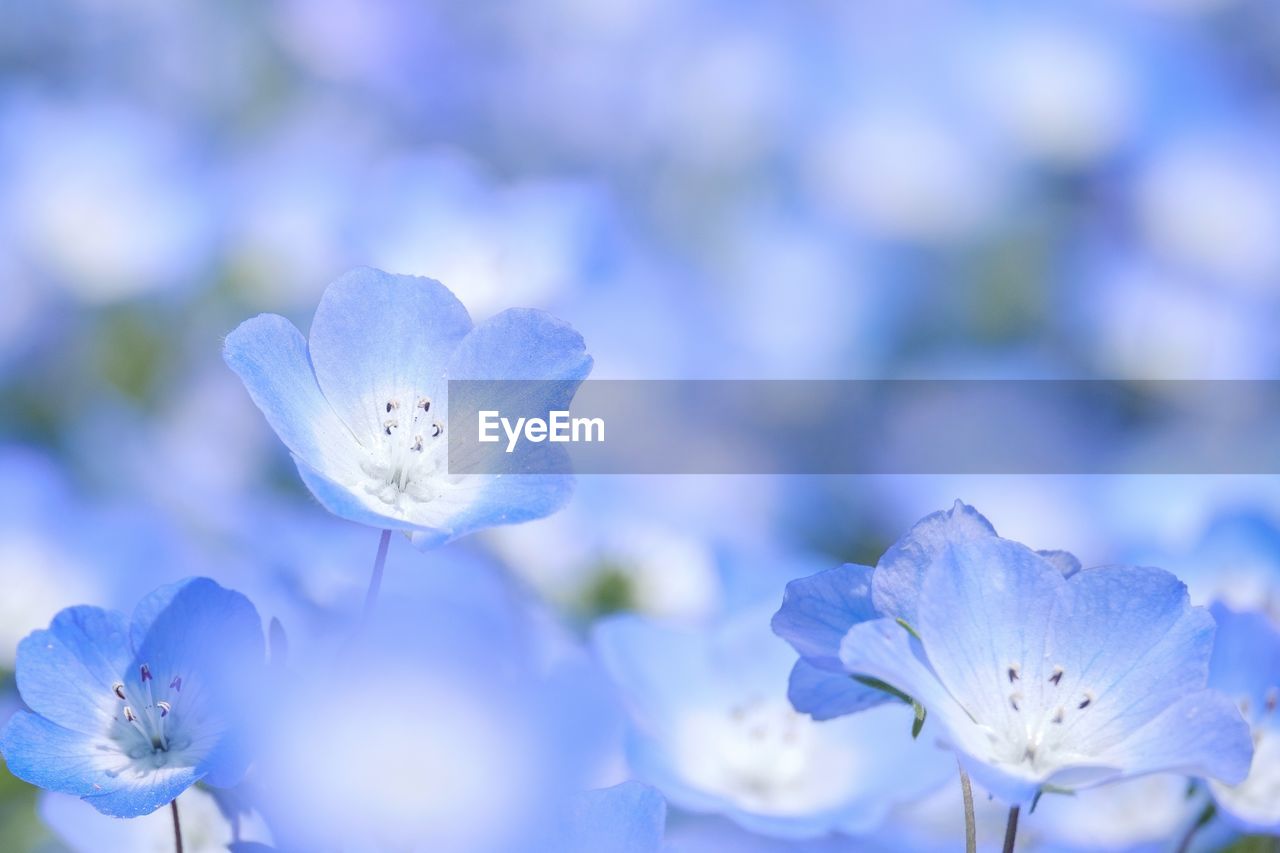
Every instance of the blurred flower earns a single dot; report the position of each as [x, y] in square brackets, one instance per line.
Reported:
[468, 725]
[363, 409]
[107, 199]
[713, 730]
[127, 715]
[205, 829]
[1039, 676]
[1246, 666]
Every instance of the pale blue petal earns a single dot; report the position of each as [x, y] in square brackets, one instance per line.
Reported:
[1130, 640]
[825, 695]
[522, 343]
[818, 611]
[985, 607]
[900, 572]
[378, 337]
[1201, 735]
[270, 356]
[66, 672]
[658, 670]
[344, 503]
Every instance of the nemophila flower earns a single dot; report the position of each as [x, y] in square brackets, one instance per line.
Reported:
[1038, 679]
[362, 404]
[128, 714]
[713, 730]
[1246, 666]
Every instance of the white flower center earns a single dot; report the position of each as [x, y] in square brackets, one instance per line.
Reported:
[406, 457]
[1036, 723]
[762, 756]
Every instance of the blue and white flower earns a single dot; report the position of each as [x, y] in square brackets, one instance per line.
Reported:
[129, 714]
[1036, 678]
[362, 404]
[713, 730]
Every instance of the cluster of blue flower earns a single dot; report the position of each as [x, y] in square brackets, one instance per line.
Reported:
[468, 718]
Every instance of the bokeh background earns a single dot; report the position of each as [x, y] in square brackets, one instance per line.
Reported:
[704, 189]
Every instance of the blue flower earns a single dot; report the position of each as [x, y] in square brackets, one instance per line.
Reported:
[129, 714]
[1037, 673]
[362, 405]
[1246, 666]
[714, 732]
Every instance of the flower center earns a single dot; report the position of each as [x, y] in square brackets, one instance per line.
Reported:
[406, 456]
[146, 722]
[1039, 715]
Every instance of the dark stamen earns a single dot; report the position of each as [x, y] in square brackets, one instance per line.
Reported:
[1058, 715]
[1085, 704]
[118, 689]
[1056, 678]
[1013, 674]
[145, 672]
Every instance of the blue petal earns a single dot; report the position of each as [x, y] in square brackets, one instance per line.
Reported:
[270, 356]
[521, 343]
[818, 611]
[1131, 639]
[825, 695]
[985, 606]
[900, 572]
[659, 670]
[378, 337]
[627, 818]
[133, 800]
[1201, 734]
[56, 758]
[1246, 655]
[66, 672]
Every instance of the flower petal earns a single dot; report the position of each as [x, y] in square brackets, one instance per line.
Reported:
[1131, 640]
[50, 756]
[522, 343]
[627, 818]
[377, 337]
[818, 611]
[825, 695]
[66, 672]
[269, 355]
[983, 615]
[900, 572]
[1201, 734]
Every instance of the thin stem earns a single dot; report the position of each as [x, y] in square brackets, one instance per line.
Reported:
[970, 825]
[1203, 820]
[375, 582]
[177, 825]
[1011, 830]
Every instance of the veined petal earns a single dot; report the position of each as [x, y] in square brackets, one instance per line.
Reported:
[825, 695]
[1202, 734]
[377, 337]
[984, 614]
[818, 611]
[50, 756]
[269, 355]
[137, 798]
[66, 672]
[900, 572]
[1130, 639]
[627, 818]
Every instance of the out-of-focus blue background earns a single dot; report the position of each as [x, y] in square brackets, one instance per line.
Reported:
[704, 189]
